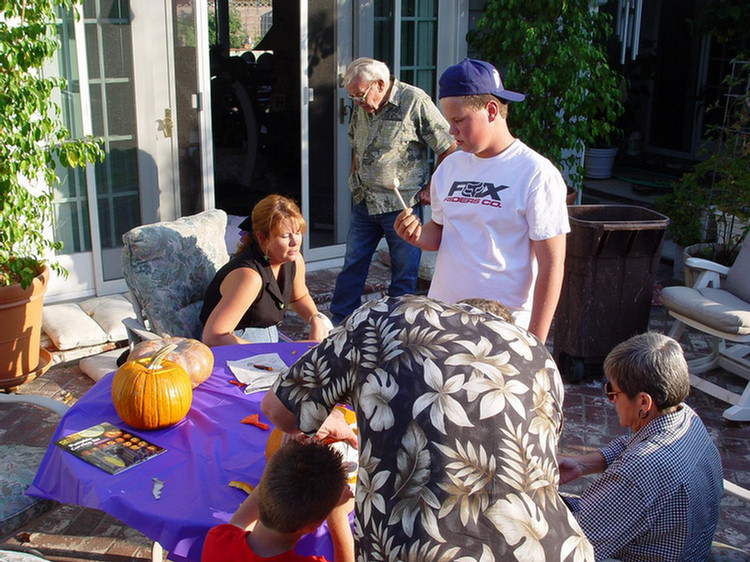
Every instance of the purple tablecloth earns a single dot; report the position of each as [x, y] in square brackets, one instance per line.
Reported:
[205, 451]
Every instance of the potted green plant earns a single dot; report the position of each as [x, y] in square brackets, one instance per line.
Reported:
[554, 52]
[33, 140]
[709, 208]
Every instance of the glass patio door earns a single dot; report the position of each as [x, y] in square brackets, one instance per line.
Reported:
[119, 59]
[131, 88]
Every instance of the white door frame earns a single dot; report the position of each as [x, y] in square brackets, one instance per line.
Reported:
[202, 103]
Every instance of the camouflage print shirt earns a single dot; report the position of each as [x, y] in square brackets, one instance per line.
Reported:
[393, 143]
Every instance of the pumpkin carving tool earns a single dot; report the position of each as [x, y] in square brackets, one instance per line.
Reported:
[397, 183]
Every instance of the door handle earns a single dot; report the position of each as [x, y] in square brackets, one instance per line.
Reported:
[344, 110]
[166, 125]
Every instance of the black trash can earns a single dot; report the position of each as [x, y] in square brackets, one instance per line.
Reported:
[612, 256]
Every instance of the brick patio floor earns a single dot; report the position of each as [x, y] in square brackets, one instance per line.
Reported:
[71, 533]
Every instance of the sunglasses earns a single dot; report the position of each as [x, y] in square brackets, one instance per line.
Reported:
[611, 393]
[361, 97]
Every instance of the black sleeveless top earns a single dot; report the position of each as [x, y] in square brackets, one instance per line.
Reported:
[273, 298]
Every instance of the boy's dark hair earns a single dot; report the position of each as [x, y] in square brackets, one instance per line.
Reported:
[301, 484]
[491, 306]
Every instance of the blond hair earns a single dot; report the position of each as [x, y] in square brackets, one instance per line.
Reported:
[479, 101]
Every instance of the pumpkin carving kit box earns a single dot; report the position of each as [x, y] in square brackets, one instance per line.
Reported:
[109, 448]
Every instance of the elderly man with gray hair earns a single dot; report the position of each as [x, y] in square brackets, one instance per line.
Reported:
[392, 127]
[659, 492]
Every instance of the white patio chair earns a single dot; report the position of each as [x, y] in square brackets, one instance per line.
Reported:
[721, 310]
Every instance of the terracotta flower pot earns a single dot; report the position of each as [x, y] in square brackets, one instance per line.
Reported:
[21, 329]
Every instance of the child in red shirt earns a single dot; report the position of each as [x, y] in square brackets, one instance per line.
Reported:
[304, 483]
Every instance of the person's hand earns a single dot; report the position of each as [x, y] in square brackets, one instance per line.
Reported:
[319, 328]
[570, 469]
[335, 428]
[423, 195]
[408, 227]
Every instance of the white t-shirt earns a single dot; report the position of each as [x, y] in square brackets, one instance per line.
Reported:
[490, 210]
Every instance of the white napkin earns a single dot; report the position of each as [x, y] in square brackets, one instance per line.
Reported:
[252, 372]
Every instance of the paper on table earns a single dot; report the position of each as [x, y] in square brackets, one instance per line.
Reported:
[256, 378]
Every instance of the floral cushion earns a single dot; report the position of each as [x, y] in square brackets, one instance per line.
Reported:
[169, 265]
[18, 464]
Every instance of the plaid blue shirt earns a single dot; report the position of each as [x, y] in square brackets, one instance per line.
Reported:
[658, 499]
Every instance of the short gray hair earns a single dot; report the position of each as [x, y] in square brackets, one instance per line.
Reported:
[652, 363]
[367, 70]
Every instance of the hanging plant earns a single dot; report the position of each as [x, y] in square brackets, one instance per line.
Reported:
[33, 138]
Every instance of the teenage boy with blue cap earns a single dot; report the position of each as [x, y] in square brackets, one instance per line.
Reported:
[499, 216]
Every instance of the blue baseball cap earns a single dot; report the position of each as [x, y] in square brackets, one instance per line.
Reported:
[471, 77]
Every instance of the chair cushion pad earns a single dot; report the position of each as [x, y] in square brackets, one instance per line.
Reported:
[714, 308]
[738, 278]
[58, 319]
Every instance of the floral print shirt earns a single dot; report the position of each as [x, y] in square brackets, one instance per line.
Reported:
[393, 143]
[458, 417]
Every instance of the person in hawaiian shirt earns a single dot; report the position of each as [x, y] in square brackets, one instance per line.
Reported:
[392, 127]
[458, 417]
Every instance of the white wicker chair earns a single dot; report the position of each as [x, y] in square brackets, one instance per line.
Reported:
[717, 304]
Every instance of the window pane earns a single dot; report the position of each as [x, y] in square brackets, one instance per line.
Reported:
[72, 226]
[92, 50]
[407, 44]
[97, 109]
[117, 216]
[123, 167]
[426, 81]
[114, 9]
[70, 203]
[383, 8]
[427, 9]
[117, 50]
[120, 109]
[383, 42]
[425, 51]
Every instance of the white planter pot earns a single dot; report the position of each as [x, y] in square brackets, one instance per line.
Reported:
[598, 162]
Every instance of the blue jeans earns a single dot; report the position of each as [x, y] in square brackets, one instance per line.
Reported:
[365, 233]
[258, 335]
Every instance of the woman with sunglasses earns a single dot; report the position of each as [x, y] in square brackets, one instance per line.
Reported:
[658, 494]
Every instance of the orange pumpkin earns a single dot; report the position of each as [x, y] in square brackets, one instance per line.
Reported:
[151, 393]
[193, 356]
